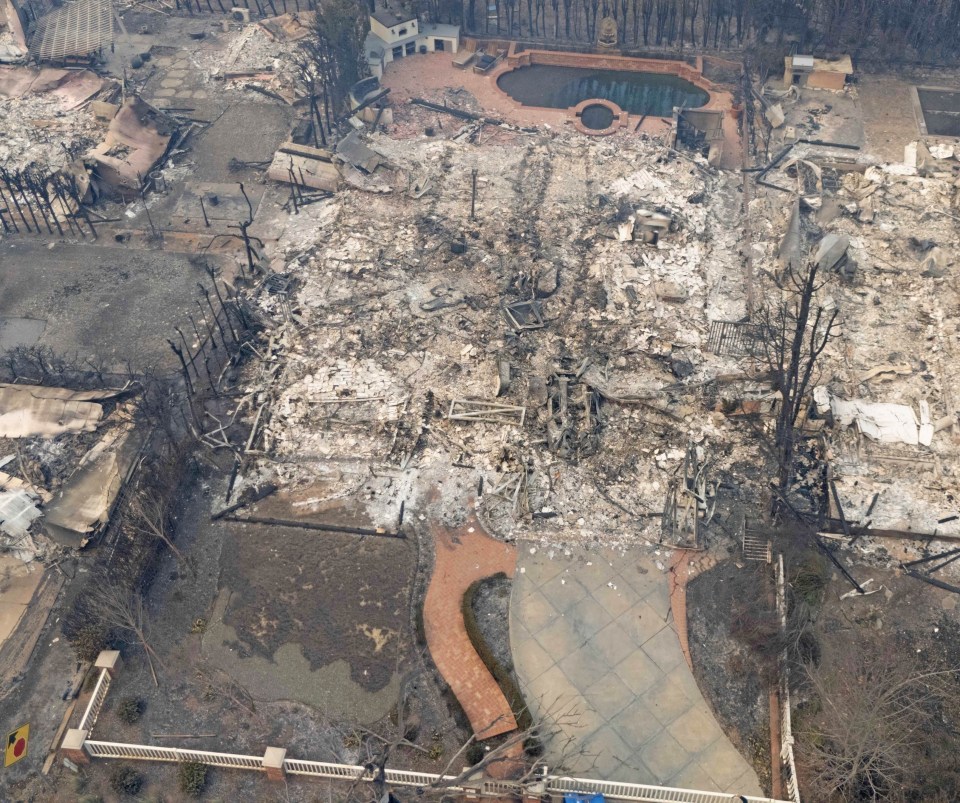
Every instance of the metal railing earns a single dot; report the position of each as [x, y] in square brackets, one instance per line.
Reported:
[96, 702]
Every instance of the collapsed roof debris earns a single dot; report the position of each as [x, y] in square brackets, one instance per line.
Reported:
[29, 410]
[52, 475]
[79, 31]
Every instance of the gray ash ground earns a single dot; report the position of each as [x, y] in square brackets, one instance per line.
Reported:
[491, 607]
[727, 672]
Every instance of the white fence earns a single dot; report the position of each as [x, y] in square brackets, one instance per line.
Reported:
[96, 702]
[479, 787]
[352, 772]
[786, 727]
[642, 793]
[145, 752]
[552, 784]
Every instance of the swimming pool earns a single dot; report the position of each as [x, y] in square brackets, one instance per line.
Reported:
[559, 87]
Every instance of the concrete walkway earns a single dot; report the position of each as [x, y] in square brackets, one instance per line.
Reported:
[593, 636]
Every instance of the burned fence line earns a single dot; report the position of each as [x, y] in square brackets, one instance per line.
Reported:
[52, 204]
[267, 8]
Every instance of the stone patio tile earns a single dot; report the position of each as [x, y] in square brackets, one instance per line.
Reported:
[541, 566]
[664, 649]
[635, 724]
[641, 575]
[615, 601]
[558, 638]
[587, 617]
[583, 668]
[723, 763]
[530, 659]
[667, 699]
[599, 572]
[641, 623]
[695, 730]
[609, 696]
[693, 776]
[610, 755]
[612, 643]
[562, 592]
[664, 757]
[551, 693]
[164, 93]
[638, 672]
[747, 784]
[536, 612]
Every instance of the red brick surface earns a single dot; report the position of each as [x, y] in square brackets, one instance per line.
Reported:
[463, 557]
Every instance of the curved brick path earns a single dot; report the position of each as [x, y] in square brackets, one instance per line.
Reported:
[463, 556]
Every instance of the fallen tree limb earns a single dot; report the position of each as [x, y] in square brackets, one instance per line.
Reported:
[315, 525]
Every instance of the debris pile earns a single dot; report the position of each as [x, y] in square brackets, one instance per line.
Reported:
[546, 356]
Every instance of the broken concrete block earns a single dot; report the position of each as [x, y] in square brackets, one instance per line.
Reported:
[670, 291]
[775, 115]
[833, 248]
[910, 154]
[941, 151]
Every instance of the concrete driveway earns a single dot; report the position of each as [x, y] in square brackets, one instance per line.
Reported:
[596, 652]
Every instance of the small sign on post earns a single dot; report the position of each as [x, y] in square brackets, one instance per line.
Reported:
[15, 747]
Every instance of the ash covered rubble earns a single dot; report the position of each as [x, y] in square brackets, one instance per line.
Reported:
[546, 359]
[882, 442]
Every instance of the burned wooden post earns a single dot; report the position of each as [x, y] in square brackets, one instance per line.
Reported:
[29, 184]
[13, 197]
[183, 365]
[203, 208]
[473, 199]
[222, 306]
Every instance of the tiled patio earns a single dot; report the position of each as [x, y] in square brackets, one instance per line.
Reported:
[593, 633]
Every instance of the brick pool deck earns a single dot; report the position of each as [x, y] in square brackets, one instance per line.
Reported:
[433, 77]
[462, 556]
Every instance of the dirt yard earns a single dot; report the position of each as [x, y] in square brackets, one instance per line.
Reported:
[731, 679]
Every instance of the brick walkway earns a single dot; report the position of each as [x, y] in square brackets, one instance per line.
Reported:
[463, 556]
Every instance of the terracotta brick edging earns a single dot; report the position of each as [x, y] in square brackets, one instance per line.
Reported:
[463, 556]
[679, 575]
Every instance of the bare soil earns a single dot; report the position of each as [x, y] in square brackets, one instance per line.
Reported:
[729, 675]
[491, 607]
[339, 596]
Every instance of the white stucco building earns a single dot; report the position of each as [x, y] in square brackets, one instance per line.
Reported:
[394, 35]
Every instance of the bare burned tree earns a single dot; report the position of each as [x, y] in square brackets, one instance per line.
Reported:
[513, 754]
[792, 335]
[149, 514]
[122, 611]
[331, 60]
[882, 727]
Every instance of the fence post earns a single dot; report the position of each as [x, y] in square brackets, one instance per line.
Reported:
[111, 661]
[72, 746]
[273, 763]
